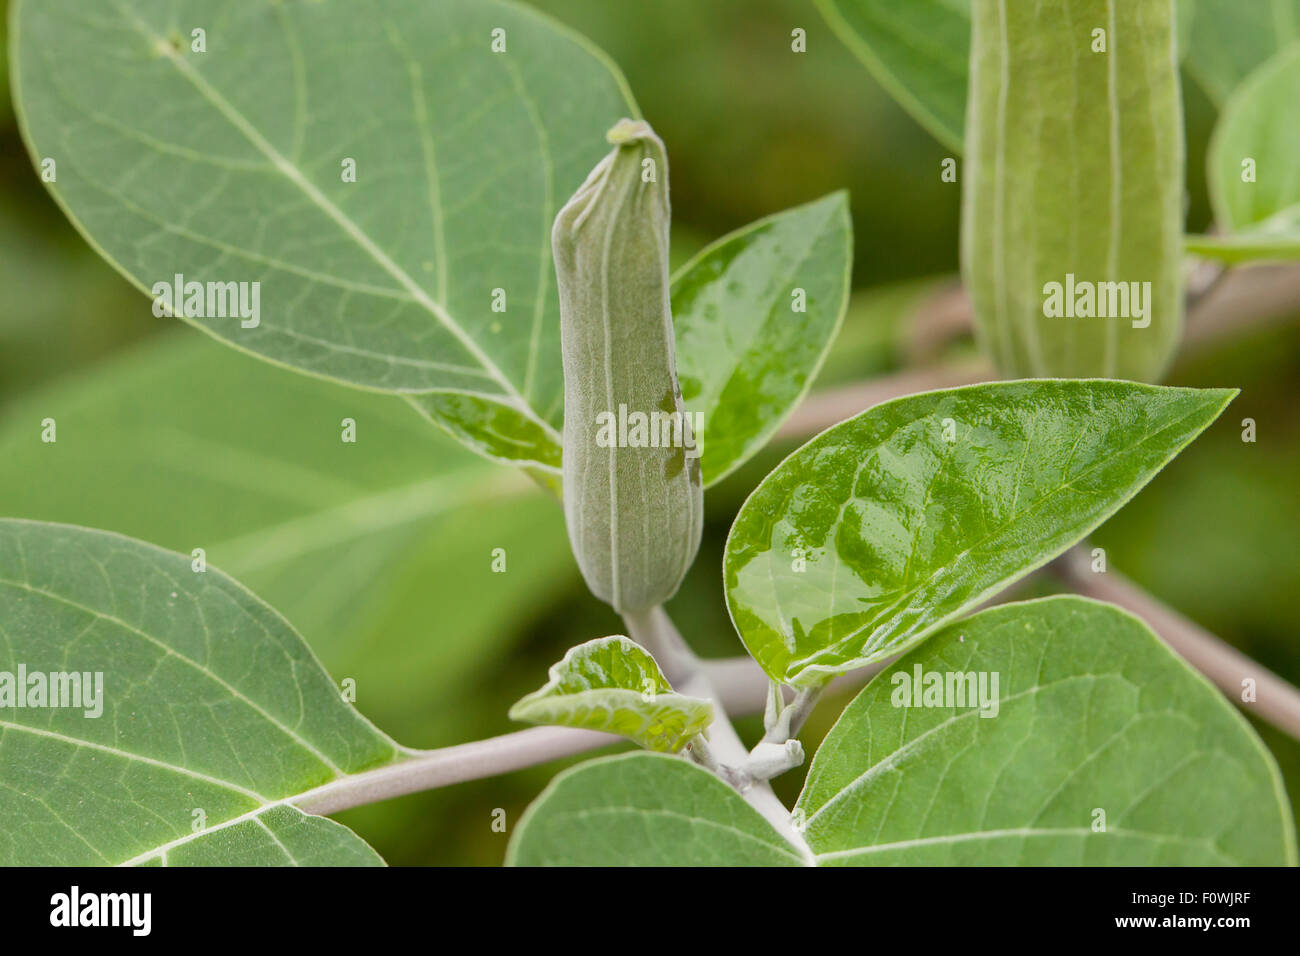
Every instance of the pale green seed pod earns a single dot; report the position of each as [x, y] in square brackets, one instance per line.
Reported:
[1072, 218]
[633, 496]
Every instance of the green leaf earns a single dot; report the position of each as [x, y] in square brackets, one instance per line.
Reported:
[175, 161]
[1075, 171]
[613, 684]
[1253, 167]
[744, 357]
[887, 526]
[1093, 714]
[918, 51]
[212, 711]
[1229, 39]
[381, 550]
[644, 810]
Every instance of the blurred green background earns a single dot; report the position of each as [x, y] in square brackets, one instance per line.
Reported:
[176, 435]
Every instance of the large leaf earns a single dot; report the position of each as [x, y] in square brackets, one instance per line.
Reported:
[917, 50]
[389, 282]
[745, 357]
[1229, 39]
[1253, 168]
[1075, 171]
[1093, 713]
[890, 524]
[210, 703]
[226, 165]
[644, 810]
[613, 684]
[382, 550]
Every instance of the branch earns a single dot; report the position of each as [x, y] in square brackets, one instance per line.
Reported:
[1276, 701]
[655, 631]
[429, 769]
[740, 685]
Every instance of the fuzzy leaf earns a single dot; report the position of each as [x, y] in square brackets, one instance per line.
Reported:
[212, 711]
[229, 165]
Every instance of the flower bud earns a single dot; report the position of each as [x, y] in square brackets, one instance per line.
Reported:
[1072, 220]
[633, 495]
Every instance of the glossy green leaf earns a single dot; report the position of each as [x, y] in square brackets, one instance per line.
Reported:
[745, 355]
[1229, 39]
[918, 51]
[383, 551]
[887, 526]
[1253, 168]
[644, 810]
[1091, 714]
[1072, 219]
[208, 713]
[613, 684]
[229, 166]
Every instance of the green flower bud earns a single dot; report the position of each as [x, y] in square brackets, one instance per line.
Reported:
[1072, 224]
[633, 496]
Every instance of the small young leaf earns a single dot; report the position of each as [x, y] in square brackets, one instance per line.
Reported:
[755, 314]
[1229, 39]
[916, 50]
[1253, 167]
[890, 524]
[633, 495]
[644, 810]
[613, 684]
[1096, 746]
[1072, 221]
[212, 713]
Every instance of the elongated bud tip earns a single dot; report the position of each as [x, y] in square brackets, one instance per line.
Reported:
[628, 131]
